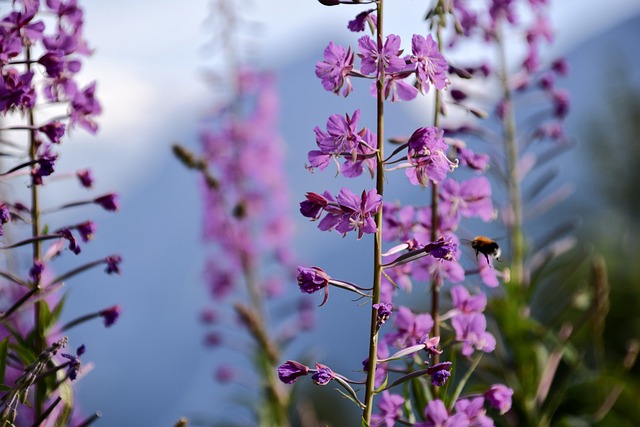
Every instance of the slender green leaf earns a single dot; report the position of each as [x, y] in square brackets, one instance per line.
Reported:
[4, 348]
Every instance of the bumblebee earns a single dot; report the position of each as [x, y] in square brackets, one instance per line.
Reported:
[485, 246]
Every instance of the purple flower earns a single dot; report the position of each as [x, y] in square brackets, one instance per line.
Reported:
[357, 25]
[84, 106]
[291, 370]
[431, 66]
[342, 139]
[86, 230]
[323, 375]
[384, 311]
[488, 274]
[358, 212]
[334, 70]
[35, 272]
[499, 397]
[342, 135]
[313, 279]
[45, 165]
[74, 363]
[373, 60]
[395, 88]
[16, 90]
[65, 233]
[53, 130]
[473, 410]
[431, 345]
[478, 162]
[471, 330]
[225, 374]
[86, 178]
[390, 406]
[110, 315]
[465, 303]
[315, 204]
[427, 157]
[442, 248]
[471, 198]
[5, 217]
[428, 267]
[108, 202]
[440, 373]
[435, 414]
[560, 66]
[561, 103]
[409, 328]
[113, 262]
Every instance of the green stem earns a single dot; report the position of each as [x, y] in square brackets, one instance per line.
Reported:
[513, 181]
[377, 243]
[39, 339]
[436, 282]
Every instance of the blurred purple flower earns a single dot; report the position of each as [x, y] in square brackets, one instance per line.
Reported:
[54, 131]
[465, 303]
[86, 178]
[473, 410]
[409, 328]
[108, 202]
[390, 406]
[358, 23]
[499, 397]
[111, 315]
[471, 198]
[86, 230]
[16, 90]
[471, 331]
[113, 264]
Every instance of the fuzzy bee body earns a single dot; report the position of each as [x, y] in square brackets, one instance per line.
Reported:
[485, 246]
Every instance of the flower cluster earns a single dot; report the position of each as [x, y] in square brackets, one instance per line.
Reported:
[426, 64]
[425, 247]
[41, 51]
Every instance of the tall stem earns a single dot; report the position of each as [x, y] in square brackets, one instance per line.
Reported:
[39, 341]
[377, 243]
[436, 280]
[513, 181]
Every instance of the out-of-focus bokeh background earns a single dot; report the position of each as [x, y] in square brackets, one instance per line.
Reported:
[152, 367]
